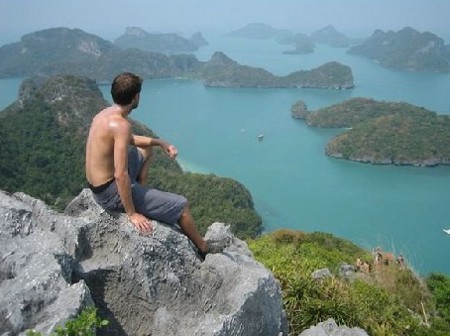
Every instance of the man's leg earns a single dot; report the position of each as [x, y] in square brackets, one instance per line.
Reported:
[187, 224]
[147, 154]
[185, 221]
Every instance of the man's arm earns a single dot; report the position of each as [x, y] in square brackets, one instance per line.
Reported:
[122, 135]
[121, 140]
[143, 141]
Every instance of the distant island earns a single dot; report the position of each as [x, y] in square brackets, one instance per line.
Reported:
[135, 37]
[406, 49]
[329, 35]
[73, 51]
[303, 43]
[224, 72]
[381, 132]
[259, 30]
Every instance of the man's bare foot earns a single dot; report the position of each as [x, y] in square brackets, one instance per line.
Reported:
[213, 247]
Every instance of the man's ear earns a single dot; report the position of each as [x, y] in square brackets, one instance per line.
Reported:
[135, 101]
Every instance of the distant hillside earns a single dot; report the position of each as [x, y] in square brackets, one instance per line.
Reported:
[383, 132]
[259, 31]
[135, 37]
[406, 49]
[55, 49]
[42, 141]
[329, 35]
[73, 51]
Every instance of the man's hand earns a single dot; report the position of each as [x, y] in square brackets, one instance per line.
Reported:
[141, 223]
[171, 151]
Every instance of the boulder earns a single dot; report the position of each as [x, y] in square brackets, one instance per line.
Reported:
[330, 328]
[54, 265]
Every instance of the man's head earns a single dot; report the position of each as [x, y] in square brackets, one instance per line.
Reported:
[125, 89]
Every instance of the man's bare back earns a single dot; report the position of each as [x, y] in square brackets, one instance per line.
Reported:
[100, 146]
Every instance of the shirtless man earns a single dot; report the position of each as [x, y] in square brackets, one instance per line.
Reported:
[117, 163]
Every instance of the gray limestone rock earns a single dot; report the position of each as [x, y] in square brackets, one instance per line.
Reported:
[330, 328]
[321, 273]
[36, 290]
[53, 264]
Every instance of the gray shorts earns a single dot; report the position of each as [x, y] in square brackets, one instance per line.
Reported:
[153, 203]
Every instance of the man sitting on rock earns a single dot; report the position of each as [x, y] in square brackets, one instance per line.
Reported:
[117, 164]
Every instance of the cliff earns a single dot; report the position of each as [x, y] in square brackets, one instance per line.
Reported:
[55, 264]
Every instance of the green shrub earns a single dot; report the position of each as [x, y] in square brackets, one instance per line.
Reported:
[85, 324]
[389, 301]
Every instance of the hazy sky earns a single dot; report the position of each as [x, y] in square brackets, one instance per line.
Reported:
[109, 18]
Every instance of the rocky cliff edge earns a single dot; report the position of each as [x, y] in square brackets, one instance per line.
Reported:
[53, 265]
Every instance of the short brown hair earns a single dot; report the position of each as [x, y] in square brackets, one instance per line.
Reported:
[125, 87]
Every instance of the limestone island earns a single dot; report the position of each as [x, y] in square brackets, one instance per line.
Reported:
[381, 132]
[406, 49]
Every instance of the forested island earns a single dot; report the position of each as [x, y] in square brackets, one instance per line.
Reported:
[406, 49]
[42, 141]
[72, 51]
[382, 132]
[224, 72]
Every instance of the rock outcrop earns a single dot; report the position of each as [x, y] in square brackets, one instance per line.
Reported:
[330, 328]
[53, 265]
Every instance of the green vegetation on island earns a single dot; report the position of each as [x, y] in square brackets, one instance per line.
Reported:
[42, 142]
[223, 71]
[72, 51]
[381, 295]
[406, 49]
[384, 132]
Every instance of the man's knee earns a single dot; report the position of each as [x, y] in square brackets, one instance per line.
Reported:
[147, 153]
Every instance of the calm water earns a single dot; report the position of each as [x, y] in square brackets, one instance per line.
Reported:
[294, 185]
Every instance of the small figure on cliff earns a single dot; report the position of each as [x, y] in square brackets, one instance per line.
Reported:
[117, 164]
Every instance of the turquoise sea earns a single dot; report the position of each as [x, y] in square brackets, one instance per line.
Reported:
[293, 183]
